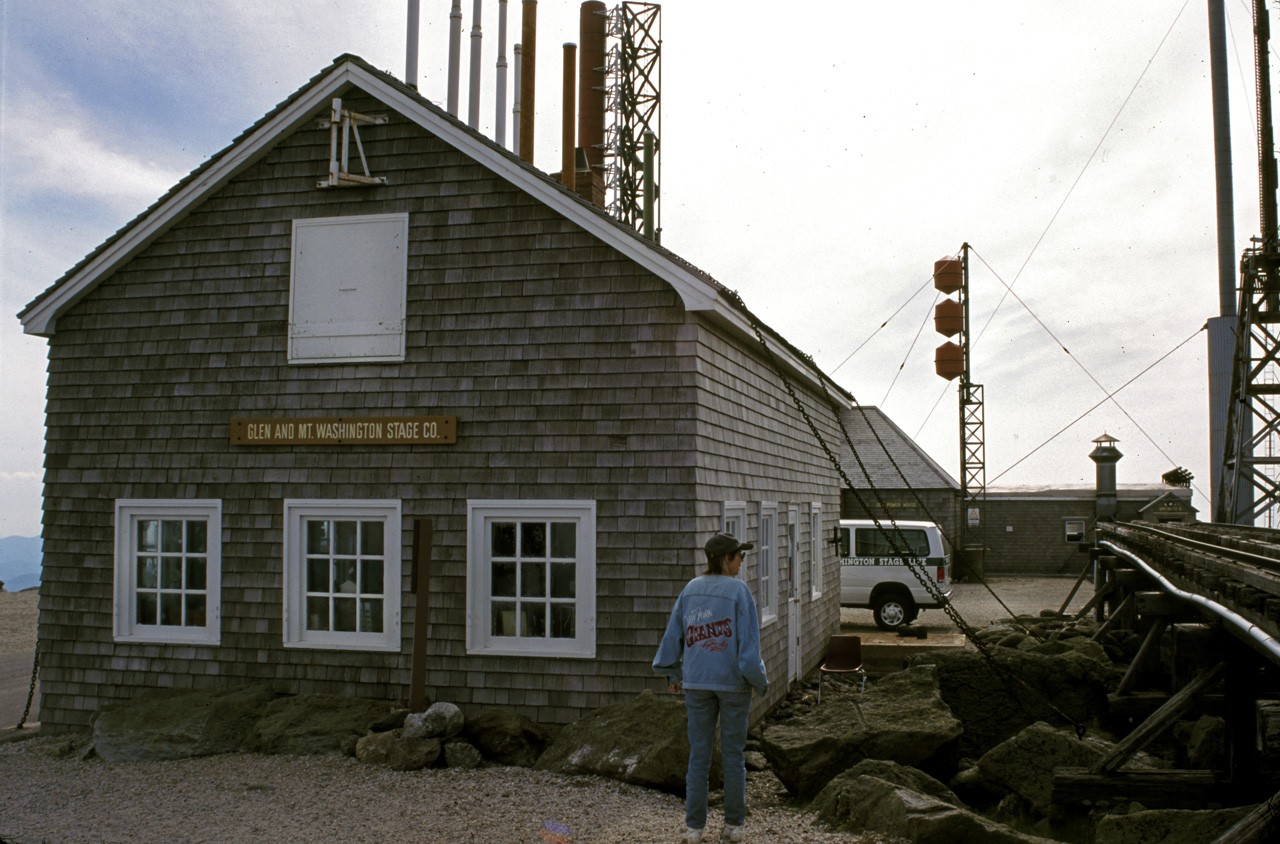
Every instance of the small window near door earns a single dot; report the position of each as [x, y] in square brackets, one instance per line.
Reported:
[1074, 530]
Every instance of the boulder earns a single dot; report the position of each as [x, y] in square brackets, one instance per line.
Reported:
[459, 753]
[1204, 742]
[375, 748]
[901, 718]
[314, 724]
[503, 736]
[829, 802]
[441, 720]
[643, 741]
[1074, 645]
[410, 754]
[995, 705]
[1023, 765]
[175, 724]
[870, 803]
[1168, 826]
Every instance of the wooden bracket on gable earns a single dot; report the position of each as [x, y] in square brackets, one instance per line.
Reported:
[340, 175]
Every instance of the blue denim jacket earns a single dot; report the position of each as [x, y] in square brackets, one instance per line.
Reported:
[713, 638]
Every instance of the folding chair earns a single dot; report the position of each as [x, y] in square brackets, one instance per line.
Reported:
[844, 656]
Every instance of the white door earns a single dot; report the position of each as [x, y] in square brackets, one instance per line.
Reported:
[793, 594]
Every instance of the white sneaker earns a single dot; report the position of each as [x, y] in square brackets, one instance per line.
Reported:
[692, 836]
[732, 833]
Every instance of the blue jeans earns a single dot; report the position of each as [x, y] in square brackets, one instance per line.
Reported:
[703, 708]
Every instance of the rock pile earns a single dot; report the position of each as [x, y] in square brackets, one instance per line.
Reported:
[180, 724]
[953, 749]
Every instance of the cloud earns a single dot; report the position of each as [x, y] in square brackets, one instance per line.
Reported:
[54, 148]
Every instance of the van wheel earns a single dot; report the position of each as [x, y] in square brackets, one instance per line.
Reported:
[894, 611]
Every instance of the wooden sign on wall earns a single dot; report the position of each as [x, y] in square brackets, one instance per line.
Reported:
[346, 430]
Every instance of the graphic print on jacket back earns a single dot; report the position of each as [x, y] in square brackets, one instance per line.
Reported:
[711, 636]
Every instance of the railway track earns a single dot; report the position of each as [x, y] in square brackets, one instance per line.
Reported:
[1235, 567]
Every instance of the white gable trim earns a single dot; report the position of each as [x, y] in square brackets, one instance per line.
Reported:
[40, 320]
[695, 293]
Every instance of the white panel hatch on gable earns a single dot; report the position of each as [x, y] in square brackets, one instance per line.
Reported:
[347, 290]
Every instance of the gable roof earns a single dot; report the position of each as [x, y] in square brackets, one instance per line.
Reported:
[880, 444]
[697, 290]
[1170, 501]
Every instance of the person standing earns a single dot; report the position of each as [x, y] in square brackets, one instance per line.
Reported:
[711, 651]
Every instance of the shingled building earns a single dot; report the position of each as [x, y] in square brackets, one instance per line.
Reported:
[260, 388]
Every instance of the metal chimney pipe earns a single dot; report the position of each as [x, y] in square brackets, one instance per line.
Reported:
[455, 55]
[591, 81]
[528, 69]
[1105, 455]
[1222, 328]
[411, 46]
[649, 139]
[1222, 159]
[568, 164]
[515, 104]
[1266, 140]
[473, 103]
[500, 108]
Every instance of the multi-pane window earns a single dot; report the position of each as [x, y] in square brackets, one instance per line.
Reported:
[168, 571]
[531, 577]
[766, 551]
[733, 521]
[342, 574]
[815, 549]
[345, 586]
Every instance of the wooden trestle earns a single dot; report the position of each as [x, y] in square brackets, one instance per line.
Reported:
[1205, 600]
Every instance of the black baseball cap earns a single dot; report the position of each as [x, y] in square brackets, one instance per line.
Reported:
[723, 544]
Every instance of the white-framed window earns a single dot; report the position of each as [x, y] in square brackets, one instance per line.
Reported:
[734, 521]
[767, 562]
[815, 549]
[531, 578]
[793, 554]
[348, 288]
[342, 575]
[168, 571]
[1074, 530]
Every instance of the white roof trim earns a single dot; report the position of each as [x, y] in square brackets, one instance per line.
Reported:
[40, 320]
[694, 292]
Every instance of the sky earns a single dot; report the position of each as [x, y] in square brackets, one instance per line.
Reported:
[816, 161]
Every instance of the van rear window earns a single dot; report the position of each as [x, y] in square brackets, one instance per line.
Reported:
[872, 542]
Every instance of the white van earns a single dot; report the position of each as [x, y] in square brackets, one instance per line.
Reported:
[873, 576]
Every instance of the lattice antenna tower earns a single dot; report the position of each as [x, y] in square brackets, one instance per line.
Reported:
[1249, 489]
[633, 74]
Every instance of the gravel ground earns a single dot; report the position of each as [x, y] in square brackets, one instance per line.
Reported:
[316, 799]
[333, 798]
[18, 612]
[979, 607]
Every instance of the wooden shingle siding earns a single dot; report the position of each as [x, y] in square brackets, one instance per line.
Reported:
[560, 358]
[753, 446]
[575, 373]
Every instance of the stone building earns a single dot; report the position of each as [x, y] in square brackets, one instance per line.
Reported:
[262, 387]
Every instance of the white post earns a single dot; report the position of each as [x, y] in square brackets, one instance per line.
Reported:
[455, 55]
[473, 104]
[500, 110]
[411, 47]
[515, 104]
